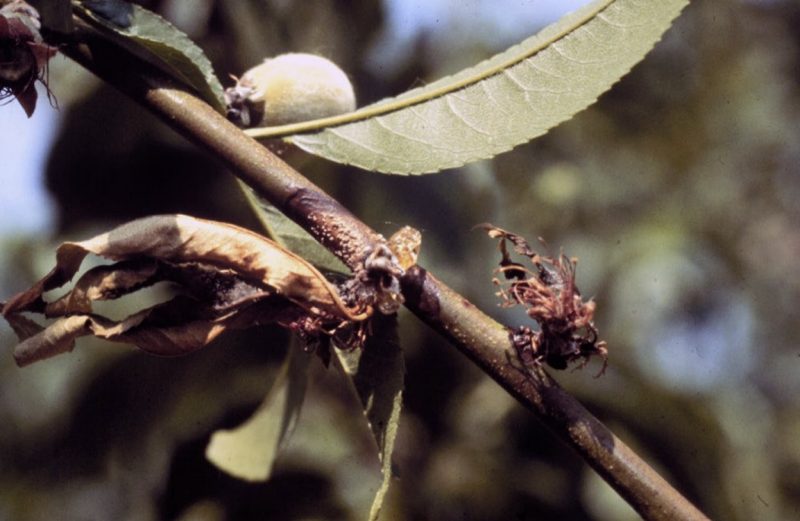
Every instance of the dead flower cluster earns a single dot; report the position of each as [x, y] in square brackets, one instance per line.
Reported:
[23, 54]
[548, 292]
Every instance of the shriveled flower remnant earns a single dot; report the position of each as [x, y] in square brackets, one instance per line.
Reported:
[23, 54]
[566, 329]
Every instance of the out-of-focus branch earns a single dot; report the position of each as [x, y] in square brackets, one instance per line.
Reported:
[479, 337]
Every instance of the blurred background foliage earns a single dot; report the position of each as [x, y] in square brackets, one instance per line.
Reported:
[678, 192]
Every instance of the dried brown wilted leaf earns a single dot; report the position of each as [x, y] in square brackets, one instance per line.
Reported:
[174, 328]
[229, 277]
[405, 244]
[105, 283]
[180, 238]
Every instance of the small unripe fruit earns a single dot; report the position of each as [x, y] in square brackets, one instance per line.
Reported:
[288, 89]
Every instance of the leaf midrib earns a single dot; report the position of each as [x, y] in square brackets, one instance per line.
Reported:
[583, 16]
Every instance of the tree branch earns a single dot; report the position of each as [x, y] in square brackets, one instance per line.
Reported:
[483, 340]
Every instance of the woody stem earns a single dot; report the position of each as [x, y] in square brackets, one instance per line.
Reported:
[483, 340]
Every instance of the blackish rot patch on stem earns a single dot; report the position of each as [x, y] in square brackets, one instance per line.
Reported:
[413, 285]
[332, 225]
[376, 267]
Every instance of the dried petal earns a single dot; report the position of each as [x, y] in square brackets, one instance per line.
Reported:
[551, 298]
[23, 54]
[405, 244]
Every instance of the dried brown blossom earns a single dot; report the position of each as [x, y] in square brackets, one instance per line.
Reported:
[548, 292]
[377, 282]
[23, 54]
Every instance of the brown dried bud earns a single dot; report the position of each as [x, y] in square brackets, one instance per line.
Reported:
[23, 54]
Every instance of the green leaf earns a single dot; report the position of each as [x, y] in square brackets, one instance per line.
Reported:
[249, 451]
[290, 235]
[498, 104]
[160, 43]
[377, 373]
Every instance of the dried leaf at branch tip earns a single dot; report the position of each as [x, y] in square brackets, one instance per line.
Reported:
[230, 278]
[174, 328]
[180, 238]
[498, 104]
[104, 283]
[548, 293]
[23, 327]
[56, 339]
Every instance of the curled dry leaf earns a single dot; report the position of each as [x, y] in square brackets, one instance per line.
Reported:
[548, 292]
[170, 329]
[405, 243]
[228, 277]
